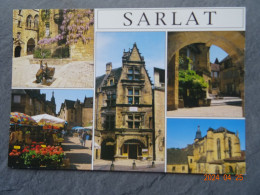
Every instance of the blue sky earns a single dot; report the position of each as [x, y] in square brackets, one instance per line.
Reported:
[181, 132]
[110, 47]
[69, 94]
[216, 52]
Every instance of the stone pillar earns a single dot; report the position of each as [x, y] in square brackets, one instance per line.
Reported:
[173, 83]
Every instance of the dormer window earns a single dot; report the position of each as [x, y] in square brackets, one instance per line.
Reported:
[133, 73]
[111, 82]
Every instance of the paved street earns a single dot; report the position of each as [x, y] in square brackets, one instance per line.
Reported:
[227, 107]
[127, 165]
[80, 157]
[76, 74]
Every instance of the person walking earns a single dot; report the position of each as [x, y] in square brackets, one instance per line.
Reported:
[84, 136]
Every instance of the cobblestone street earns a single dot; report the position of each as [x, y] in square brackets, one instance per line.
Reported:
[127, 165]
[76, 74]
[80, 157]
[228, 107]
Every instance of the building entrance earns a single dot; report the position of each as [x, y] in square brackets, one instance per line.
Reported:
[107, 149]
[132, 149]
[30, 46]
[17, 51]
[132, 152]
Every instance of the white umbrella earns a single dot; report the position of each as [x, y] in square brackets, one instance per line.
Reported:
[46, 118]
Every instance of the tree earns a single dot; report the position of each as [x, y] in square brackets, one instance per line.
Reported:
[192, 87]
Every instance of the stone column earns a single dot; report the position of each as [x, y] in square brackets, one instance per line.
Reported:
[173, 83]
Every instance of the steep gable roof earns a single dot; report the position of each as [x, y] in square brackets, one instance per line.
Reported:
[101, 80]
[88, 102]
[69, 104]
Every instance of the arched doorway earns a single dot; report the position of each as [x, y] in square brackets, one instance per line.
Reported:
[132, 149]
[30, 46]
[108, 149]
[17, 51]
[232, 43]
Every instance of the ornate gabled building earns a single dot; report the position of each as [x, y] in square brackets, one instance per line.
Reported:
[216, 153]
[124, 126]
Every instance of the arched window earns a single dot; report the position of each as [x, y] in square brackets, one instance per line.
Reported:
[36, 22]
[29, 21]
[229, 147]
[218, 148]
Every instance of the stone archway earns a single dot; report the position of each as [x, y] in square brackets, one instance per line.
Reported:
[17, 51]
[132, 148]
[232, 42]
[30, 46]
[108, 149]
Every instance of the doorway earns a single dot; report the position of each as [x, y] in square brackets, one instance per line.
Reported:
[17, 52]
[132, 151]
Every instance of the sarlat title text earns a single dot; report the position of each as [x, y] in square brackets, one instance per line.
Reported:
[144, 20]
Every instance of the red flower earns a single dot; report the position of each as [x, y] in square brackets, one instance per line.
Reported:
[34, 142]
[33, 156]
[11, 154]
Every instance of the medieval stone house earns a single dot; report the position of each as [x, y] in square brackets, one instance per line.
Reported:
[77, 113]
[32, 102]
[32, 25]
[124, 126]
[216, 153]
[25, 31]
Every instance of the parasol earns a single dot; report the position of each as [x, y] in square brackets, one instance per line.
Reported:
[21, 118]
[49, 121]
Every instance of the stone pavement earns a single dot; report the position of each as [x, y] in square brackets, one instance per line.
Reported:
[80, 157]
[223, 111]
[76, 74]
[127, 164]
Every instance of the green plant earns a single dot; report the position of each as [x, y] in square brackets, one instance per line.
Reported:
[192, 87]
[42, 53]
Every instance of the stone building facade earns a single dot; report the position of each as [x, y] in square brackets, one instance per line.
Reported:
[77, 113]
[51, 21]
[216, 153]
[124, 126]
[231, 78]
[25, 31]
[159, 113]
[31, 26]
[231, 42]
[32, 102]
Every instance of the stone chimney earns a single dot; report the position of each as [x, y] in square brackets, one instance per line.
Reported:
[108, 68]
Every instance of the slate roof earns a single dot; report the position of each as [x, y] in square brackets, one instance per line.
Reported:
[179, 156]
[215, 67]
[18, 91]
[88, 102]
[116, 72]
[69, 104]
[222, 129]
[202, 159]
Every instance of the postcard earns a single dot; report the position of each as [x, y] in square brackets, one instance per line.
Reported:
[133, 89]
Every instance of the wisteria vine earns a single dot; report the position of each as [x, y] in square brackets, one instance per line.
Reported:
[74, 27]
